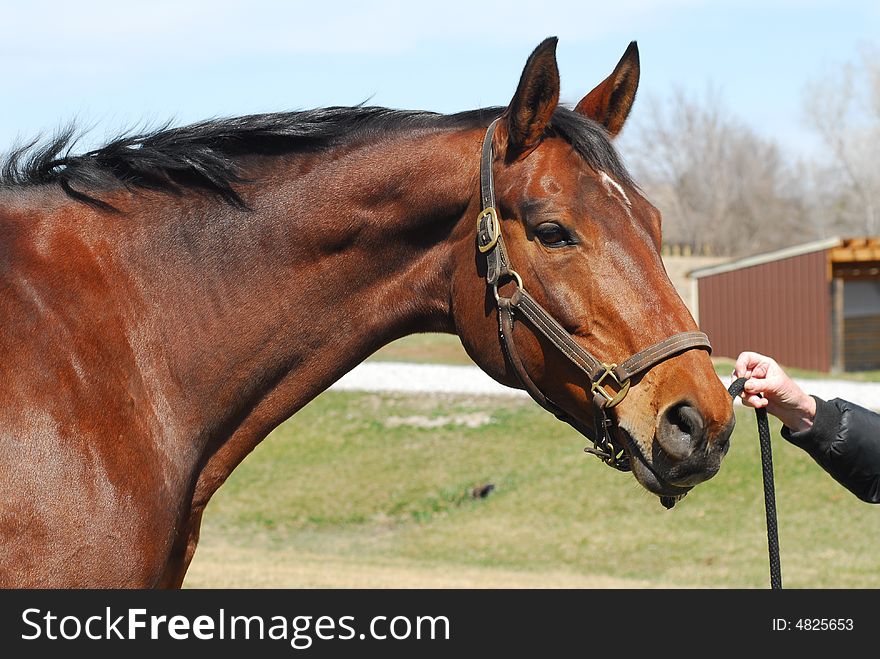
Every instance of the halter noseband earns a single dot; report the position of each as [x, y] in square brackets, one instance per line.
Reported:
[601, 375]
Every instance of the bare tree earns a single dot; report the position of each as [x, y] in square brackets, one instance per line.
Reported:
[843, 109]
[722, 188]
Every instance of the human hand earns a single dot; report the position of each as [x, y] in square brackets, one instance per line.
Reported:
[770, 387]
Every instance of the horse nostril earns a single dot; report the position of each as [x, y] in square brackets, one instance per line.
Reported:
[681, 430]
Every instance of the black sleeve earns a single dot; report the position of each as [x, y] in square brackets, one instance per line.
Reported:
[845, 441]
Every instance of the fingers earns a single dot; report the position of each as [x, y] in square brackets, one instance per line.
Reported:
[754, 391]
[742, 367]
[755, 385]
[769, 389]
[754, 400]
[746, 363]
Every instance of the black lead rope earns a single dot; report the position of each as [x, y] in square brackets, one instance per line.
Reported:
[735, 389]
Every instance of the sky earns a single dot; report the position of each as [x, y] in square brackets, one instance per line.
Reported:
[111, 65]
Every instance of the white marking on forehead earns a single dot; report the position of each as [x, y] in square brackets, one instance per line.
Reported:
[611, 183]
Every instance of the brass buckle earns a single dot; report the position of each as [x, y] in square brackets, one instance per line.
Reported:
[598, 386]
[492, 228]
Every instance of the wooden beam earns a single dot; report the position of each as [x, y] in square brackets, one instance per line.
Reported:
[855, 254]
[838, 363]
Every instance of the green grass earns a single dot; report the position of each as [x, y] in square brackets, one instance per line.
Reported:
[424, 348]
[340, 481]
[447, 349]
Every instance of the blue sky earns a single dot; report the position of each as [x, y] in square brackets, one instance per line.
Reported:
[112, 64]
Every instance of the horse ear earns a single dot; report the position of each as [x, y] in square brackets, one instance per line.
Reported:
[612, 99]
[536, 97]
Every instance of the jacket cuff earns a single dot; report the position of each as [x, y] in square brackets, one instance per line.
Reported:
[817, 439]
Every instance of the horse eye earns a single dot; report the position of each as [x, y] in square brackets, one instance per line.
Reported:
[553, 235]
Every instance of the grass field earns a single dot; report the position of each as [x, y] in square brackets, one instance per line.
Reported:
[424, 348]
[369, 490]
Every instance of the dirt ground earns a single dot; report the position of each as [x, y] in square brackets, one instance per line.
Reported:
[235, 567]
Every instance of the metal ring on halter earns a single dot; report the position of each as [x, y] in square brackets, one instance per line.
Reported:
[510, 273]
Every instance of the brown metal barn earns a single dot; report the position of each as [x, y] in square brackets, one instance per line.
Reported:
[814, 306]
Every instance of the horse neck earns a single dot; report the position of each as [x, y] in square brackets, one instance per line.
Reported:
[340, 253]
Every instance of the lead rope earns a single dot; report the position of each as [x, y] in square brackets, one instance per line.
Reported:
[735, 389]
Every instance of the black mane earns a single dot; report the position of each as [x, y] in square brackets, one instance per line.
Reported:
[204, 155]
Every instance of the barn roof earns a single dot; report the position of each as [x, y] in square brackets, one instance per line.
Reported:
[767, 257]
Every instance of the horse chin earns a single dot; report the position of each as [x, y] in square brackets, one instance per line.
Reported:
[648, 478]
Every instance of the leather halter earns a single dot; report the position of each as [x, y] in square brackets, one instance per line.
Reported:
[600, 375]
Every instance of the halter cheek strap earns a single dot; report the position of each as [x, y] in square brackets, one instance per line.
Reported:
[609, 382]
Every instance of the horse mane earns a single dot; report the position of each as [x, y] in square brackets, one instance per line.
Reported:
[206, 155]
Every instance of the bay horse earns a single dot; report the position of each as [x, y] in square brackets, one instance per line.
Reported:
[170, 298]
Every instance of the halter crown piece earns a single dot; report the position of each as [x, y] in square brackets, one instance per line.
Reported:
[609, 382]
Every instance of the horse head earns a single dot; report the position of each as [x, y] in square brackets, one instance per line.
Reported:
[581, 238]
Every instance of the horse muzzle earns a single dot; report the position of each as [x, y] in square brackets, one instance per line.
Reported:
[684, 451]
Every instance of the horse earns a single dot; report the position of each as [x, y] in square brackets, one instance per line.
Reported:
[168, 299]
